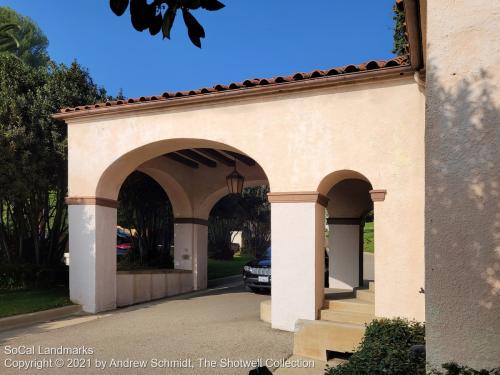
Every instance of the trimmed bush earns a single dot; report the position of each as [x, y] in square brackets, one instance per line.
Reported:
[385, 349]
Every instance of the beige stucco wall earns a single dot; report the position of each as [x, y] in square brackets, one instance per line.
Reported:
[304, 141]
[462, 182]
[285, 134]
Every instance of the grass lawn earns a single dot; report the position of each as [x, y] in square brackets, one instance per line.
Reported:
[224, 268]
[369, 245]
[25, 301]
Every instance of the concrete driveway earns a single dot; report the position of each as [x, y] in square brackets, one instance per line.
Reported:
[198, 333]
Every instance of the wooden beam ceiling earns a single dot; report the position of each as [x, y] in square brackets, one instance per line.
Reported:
[207, 156]
[214, 154]
[244, 159]
[198, 157]
[182, 160]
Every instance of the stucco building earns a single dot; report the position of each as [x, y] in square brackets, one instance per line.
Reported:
[427, 125]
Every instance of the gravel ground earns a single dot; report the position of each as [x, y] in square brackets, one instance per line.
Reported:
[219, 325]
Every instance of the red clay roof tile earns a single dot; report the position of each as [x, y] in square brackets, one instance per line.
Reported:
[399, 61]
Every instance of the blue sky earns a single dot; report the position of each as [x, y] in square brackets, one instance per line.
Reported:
[247, 39]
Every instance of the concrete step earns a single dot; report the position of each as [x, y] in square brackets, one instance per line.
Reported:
[265, 310]
[346, 316]
[365, 295]
[371, 286]
[351, 305]
[313, 338]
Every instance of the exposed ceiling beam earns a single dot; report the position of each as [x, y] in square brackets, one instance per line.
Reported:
[214, 154]
[182, 160]
[198, 157]
[244, 159]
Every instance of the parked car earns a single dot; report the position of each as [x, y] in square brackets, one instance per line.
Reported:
[257, 273]
[123, 242]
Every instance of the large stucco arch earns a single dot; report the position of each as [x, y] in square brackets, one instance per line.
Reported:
[109, 182]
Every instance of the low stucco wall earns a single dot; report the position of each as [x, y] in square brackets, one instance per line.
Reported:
[145, 285]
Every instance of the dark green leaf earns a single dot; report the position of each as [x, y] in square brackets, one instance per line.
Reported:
[195, 30]
[191, 4]
[118, 6]
[168, 21]
[156, 23]
[211, 4]
[142, 13]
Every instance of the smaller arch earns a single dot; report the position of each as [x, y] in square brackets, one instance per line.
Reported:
[181, 204]
[202, 210]
[349, 198]
[334, 178]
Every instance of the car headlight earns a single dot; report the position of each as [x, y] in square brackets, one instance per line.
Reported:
[247, 268]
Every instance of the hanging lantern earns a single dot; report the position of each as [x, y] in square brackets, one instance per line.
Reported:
[235, 182]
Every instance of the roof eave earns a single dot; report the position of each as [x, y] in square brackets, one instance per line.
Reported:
[244, 93]
[413, 29]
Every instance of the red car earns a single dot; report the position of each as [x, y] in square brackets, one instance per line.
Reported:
[123, 243]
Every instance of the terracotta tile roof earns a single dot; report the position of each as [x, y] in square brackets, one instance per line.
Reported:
[400, 61]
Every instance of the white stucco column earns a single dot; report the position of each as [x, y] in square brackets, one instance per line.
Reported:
[297, 241]
[190, 248]
[92, 249]
[344, 255]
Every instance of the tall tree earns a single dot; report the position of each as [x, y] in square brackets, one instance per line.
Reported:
[33, 161]
[33, 43]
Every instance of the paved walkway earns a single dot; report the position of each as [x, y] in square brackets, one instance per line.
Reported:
[219, 325]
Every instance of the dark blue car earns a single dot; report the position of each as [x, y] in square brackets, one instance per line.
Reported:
[257, 273]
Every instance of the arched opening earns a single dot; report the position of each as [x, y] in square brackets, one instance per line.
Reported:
[349, 218]
[145, 230]
[239, 232]
[197, 155]
[349, 209]
[184, 179]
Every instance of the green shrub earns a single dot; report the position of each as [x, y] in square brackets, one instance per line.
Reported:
[24, 276]
[455, 369]
[385, 349]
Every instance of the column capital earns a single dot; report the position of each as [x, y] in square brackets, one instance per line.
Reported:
[190, 220]
[378, 195]
[298, 197]
[91, 201]
[344, 221]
